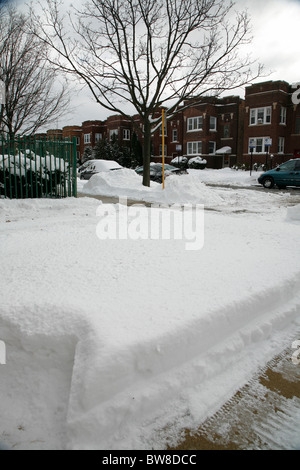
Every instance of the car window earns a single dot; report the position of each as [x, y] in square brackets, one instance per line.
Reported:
[297, 166]
[288, 166]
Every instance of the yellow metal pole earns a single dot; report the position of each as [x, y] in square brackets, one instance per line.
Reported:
[163, 148]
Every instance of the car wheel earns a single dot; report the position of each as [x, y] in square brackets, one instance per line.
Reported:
[268, 182]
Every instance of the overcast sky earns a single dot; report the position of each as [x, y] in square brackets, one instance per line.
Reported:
[275, 28]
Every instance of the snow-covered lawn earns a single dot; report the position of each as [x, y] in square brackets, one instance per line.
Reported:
[120, 343]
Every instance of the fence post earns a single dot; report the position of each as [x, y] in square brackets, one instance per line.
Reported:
[9, 172]
[74, 168]
[19, 149]
[3, 166]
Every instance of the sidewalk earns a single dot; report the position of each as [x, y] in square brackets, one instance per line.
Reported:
[263, 415]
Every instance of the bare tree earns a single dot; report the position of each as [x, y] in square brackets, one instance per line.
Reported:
[32, 95]
[150, 53]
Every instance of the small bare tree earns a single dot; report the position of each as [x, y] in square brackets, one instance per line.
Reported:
[32, 97]
[149, 53]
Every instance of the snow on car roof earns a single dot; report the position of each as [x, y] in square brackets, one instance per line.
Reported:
[104, 165]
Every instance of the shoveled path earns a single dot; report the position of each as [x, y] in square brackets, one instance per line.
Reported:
[263, 415]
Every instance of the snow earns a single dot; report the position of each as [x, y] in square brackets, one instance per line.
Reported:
[197, 160]
[30, 161]
[121, 343]
[104, 165]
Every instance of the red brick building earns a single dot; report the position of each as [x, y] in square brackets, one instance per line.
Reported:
[54, 134]
[120, 127]
[92, 132]
[203, 129]
[221, 130]
[213, 130]
[271, 123]
[71, 132]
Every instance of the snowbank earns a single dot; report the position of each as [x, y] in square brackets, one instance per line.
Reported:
[119, 344]
[178, 189]
[293, 213]
[189, 188]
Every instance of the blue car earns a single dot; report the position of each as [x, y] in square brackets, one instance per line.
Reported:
[287, 174]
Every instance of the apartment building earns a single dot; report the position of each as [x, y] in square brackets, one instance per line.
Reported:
[271, 123]
[73, 132]
[210, 128]
[120, 128]
[92, 132]
[262, 128]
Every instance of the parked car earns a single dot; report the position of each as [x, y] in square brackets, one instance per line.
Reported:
[97, 166]
[287, 174]
[85, 165]
[156, 171]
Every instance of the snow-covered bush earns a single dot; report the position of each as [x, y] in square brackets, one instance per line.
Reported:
[29, 175]
[197, 163]
[180, 162]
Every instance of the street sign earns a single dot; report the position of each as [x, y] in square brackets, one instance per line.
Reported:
[268, 142]
[252, 143]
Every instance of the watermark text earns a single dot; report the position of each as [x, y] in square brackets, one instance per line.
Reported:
[296, 93]
[158, 222]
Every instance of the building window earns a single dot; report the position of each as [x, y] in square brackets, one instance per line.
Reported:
[283, 115]
[126, 134]
[77, 140]
[98, 137]
[195, 123]
[281, 145]
[194, 148]
[174, 135]
[297, 126]
[260, 116]
[258, 144]
[113, 133]
[212, 123]
[212, 147]
[160, 130]
[226, 132]
[161, 150]
[87, 138]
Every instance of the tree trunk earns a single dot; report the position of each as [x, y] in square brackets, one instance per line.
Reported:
[147, 153]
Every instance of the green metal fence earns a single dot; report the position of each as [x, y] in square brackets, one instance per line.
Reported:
[37, 168]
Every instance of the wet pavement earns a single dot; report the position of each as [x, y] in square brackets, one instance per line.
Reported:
[262, 415]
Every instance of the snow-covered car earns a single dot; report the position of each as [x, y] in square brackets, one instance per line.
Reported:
[156, 171]
[85, 165]
[98, 166]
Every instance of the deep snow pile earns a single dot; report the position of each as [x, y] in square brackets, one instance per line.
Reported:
[127, 181]
[184, 189]
[119, 344]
